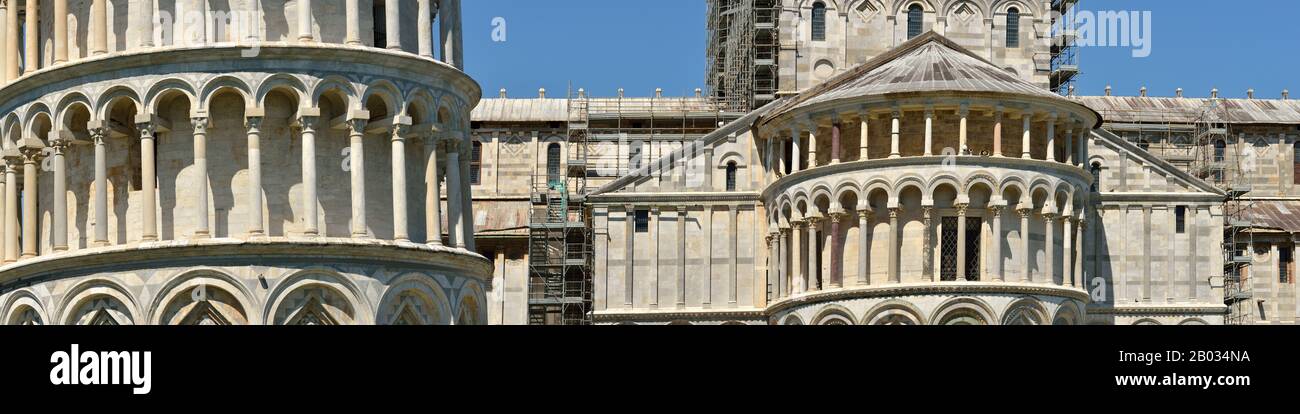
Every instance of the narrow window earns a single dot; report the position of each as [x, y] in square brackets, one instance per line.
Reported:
[915, 20]
[476, 163]
[1285, 264]
[1220, 148]
[1295, 179]
[731, 176]
[1096, 176]
[819, 21]
[634, 156]
[1180, 219]
[1013, 28]
[974, 226]
[642, 221]
[380, 24]
[948, 249]
[553, 163]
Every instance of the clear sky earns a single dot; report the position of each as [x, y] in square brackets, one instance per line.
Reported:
[603, 45]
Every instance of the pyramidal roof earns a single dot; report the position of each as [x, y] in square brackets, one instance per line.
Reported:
[927, 63]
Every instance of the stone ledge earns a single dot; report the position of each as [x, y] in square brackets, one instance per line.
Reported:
[334, 249]
[223, 54]
[919, 289]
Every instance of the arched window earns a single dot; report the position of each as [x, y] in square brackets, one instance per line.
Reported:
[553, 163]
[1220, 148]
[1096, 176]
[819, 21]
[1013, 27]
[476, 163]
[731, 176]
[915, 20]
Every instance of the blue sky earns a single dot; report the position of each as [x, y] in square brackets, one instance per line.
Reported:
[603, 45]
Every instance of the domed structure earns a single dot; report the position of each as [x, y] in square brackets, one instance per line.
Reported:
[991, 146]
[247, 162]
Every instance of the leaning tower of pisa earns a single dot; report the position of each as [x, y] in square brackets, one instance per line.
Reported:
[236, 162]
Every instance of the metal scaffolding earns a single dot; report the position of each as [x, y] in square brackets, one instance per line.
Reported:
[560, 250]
[1064, 50]
[743, 45]
[1221, 165]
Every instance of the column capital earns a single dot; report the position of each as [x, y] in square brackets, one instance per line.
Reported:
[894, 212]
[1049, 215]
[814, 220]
[400, 131]
[59, 145]
[838, 216]
[1024, 211]
[200, 124]
[254, 123]
[308, 122]
[32, 153]
[961, 208]
[356, 126]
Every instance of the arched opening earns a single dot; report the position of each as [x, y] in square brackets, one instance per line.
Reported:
[1220, 149]
[1013, 28]
[122, 139]
[333, 166]
[731, 176]
[553, 164]
[1095, 169]
[228, 163]
[176, 212]
[915, 20]
[476, 163]
[818, 21]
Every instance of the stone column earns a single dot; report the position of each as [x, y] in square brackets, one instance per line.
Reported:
[352, 11]
[1081, 232]
[357, 168]
[5, 50]
[149, 181]
[4, 211]
[1025, 212]
[733, 262]
[929, 131]
[309, 178]
[255, 227]
[454, 195]
[200, 125]
[863, 136]
[835, 142]
[393, 22]
[927, 252]
[798, 269]
[995, 215]
[997, 133]
[99, 27]
[452, 43]
[425, 22]
[11, 248]
[1027, 118]
[836, 279]
[1049, 247]
[60, 196]
[1069, 144]
[11, 39]
[813, 263]
[629, 253]
[1083, 147]
[31, 156]
[964, 113]
[681, 255]
[31, 37]
[400, 230]
[305, 29]
[1051, 138]
[893, 134]
[795, 153]
[961, 241]
[60, 31]
[812, 145]
[894, 276]
[432, 198]
[772, 258]
[864, 246]
[783, 269]
[146, 20]
[99, 134]
[1067, 250]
